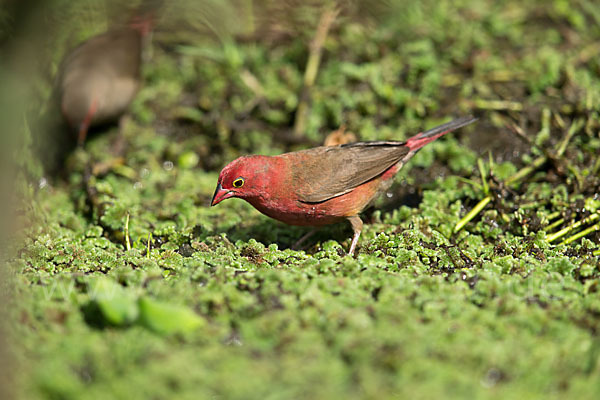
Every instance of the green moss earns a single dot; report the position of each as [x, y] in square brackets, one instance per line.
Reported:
[212, 302]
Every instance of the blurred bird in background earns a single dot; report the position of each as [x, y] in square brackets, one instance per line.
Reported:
[95, 83]
[99, 79]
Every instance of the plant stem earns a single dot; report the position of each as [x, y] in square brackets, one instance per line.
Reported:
[312, 66]
[471, 214]
[575, 126]
[148, 244]
[584, 232]
[569, 228]
[498, 105]
[127, 242]
[554, 224]
[538, 162]
[482, 171]
[553, 215]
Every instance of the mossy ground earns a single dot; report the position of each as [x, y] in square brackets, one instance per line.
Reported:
[130, 286]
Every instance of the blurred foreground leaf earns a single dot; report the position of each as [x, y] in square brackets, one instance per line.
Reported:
[167, 319]
[117, 306]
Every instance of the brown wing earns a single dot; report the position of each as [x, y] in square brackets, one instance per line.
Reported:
[327, 172]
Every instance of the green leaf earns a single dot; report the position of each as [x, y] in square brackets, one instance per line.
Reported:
[166, 318]
[117, 306]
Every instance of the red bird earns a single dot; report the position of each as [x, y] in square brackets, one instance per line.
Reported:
[323, 185]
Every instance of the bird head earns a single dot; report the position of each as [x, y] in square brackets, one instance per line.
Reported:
[242, 178]
[143, 24]
[144, 17]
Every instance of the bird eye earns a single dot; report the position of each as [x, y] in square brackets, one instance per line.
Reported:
[238, 183]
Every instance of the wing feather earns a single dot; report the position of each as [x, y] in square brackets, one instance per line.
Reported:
[328, 172]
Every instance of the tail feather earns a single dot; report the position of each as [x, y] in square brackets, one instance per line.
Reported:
[421, 139]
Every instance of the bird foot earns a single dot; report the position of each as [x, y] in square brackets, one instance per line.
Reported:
[357, 225]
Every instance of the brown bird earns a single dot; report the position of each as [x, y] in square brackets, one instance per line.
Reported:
[99, 78]
[323, 185]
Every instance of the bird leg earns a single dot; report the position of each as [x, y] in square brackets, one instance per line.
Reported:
[118, 145]
[87, 121]
[308, 234]
[357, 225]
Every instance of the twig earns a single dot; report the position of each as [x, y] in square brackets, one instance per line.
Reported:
[538, 162]
[483, 173]
[559, 121]
[552, 157]
[581, 234]
[596, 168]
[149, 244]
[554, 224]
[544, 133]
[127, 242]
[555, 158]
[470, 182]
[253, 84]
[578, 177]
[575, 126]
[498, 105]
[471, 214]
[553, 215]
[569, 228]
[312, 66]
[516, 129]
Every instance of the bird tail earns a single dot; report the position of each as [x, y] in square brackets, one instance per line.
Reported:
[421, 139]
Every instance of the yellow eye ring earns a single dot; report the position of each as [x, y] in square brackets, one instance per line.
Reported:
[238, 183]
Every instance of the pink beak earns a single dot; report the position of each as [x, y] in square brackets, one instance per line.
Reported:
[220, 195]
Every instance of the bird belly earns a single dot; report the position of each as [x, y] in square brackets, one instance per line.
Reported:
[109, 96]
[294, 212]
[116, 100]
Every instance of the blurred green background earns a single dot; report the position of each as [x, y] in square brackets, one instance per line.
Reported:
[125, 284]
